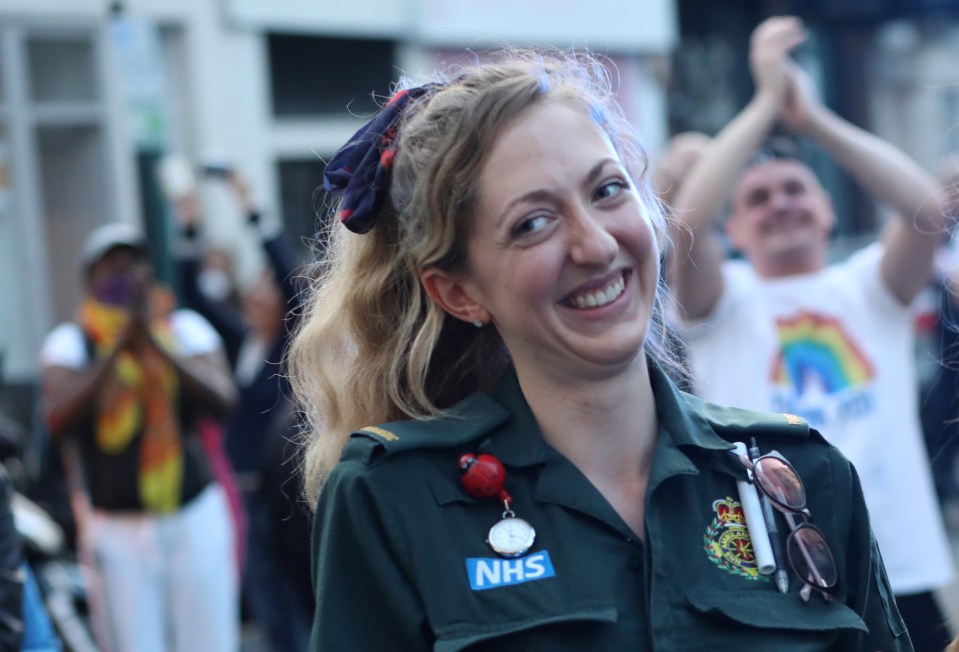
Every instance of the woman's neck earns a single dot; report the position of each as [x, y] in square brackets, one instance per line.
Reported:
[607, 427]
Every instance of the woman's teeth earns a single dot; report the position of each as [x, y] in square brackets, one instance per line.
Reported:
[601, 297]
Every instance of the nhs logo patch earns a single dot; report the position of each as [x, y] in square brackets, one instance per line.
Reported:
[489, 573]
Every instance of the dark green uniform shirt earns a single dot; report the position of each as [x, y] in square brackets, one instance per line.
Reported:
[401, 560]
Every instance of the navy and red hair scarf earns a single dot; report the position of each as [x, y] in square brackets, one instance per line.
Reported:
[359, 173]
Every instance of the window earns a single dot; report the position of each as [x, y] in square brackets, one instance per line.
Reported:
[303, 201]
[61, 69]
[321, 76]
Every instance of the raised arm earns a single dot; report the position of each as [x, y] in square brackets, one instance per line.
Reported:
[695, 274]
[276, 245]
[224, 317]
[885, 172]
[69, 395]
[675, 162]
[72, 392]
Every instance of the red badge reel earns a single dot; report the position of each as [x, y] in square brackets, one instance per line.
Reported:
[483, 476]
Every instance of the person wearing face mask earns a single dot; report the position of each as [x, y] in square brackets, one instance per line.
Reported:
[127, 382]
[786, 329]
[497, 456]
[256, 334]
[217, 277]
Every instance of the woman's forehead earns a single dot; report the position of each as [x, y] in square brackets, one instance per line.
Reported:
[544, 145]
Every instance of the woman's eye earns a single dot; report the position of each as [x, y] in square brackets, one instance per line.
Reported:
[610, 189]
[530, 225]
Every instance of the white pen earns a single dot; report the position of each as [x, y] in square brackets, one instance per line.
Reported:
[779, 554]
[755, 523]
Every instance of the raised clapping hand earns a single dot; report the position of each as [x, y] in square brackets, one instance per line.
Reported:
[186, 208]
[675, 162]
[801, 102]
[136, 335]
[769, 49]
[241, 189]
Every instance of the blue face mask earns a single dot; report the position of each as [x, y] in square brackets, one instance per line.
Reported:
[115, 290]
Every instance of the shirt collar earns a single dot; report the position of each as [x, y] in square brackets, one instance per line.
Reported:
[519, 441]
[683, 427]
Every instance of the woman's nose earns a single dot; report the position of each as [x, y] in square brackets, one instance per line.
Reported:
[591, 243]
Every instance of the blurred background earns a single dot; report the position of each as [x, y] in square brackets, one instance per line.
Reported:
[93, 94]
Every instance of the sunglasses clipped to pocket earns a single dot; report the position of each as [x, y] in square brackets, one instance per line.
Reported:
[806, 547]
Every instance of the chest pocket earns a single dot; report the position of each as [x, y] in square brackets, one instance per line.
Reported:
[575, 629]
[564, 596]
[764, 618]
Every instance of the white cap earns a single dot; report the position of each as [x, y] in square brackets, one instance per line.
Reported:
[108, 237]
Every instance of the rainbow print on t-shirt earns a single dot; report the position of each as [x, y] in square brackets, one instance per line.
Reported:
[816, 355]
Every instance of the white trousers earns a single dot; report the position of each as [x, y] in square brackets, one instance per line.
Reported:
[168, 583]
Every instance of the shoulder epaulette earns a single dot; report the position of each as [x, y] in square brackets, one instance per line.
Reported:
[736, 424]
[466, 421]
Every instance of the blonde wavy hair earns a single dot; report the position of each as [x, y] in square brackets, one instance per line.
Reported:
[371, 346]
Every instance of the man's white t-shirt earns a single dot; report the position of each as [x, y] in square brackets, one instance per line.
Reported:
[836, 348]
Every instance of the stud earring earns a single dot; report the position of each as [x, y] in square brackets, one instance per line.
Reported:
[478, 323]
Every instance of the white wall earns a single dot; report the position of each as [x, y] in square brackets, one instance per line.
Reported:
[368, 18]
[604, 25]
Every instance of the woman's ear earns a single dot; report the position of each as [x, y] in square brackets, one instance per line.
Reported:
[452, 295]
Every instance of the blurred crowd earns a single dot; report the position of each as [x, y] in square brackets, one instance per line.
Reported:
[170, 464]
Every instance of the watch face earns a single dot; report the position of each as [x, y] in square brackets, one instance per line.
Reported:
[511, 537]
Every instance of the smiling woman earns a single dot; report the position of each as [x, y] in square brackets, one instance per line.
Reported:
[562, 260]
[496, 446]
